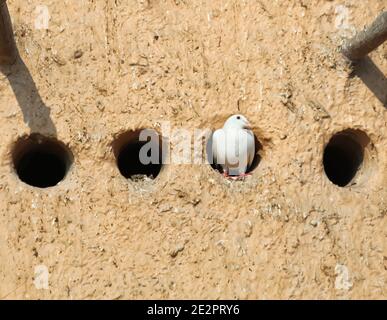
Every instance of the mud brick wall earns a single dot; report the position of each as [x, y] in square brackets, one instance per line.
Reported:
[99, 70]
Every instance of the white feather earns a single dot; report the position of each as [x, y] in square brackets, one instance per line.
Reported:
[233, 146]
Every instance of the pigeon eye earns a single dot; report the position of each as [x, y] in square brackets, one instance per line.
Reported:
[238, 117]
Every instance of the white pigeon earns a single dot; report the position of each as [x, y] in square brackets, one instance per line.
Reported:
[233, 146]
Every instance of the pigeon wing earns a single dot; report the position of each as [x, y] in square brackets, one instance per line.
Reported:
[218, 146]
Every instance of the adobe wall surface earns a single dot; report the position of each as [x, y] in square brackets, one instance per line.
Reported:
[105, 67]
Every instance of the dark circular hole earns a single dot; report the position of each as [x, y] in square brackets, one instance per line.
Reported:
[218, 167]
[40, 161]
[137, 159]
[343, 156]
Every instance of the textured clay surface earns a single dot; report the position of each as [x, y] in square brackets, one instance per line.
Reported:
[104, 67]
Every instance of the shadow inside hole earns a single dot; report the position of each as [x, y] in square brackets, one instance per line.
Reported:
[218, 167]
[127, 149]
[41, 162]
[343, 156]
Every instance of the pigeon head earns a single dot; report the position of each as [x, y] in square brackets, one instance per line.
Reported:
[237, 121]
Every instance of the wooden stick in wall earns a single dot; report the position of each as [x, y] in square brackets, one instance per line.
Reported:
[7, 41]
[367, 40]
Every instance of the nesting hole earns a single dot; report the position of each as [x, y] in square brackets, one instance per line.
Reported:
[130, 159]
[41, 161]
[218, 168]
[344, 156]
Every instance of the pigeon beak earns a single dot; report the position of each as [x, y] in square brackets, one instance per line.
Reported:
[248, 126]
